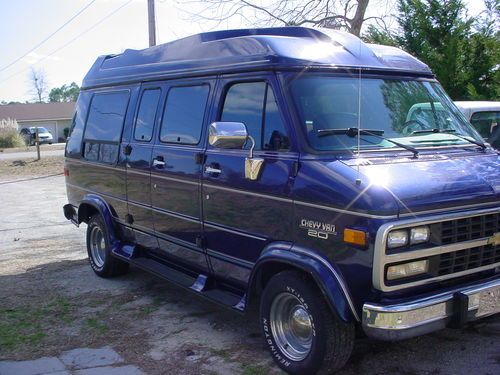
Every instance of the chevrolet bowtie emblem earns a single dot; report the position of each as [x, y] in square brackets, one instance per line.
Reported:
[495, 239]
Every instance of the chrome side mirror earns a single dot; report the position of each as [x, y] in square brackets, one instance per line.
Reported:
[235, 135]
[227, 134]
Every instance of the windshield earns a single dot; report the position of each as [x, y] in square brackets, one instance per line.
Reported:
[41, 129]
[407, 111]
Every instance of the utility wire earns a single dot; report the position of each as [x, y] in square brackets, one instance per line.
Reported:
[72, 40]
[50, 36]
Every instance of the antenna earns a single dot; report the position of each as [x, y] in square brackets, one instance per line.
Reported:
[358, 180]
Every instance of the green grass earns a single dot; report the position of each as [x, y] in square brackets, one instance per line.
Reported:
[95, 324]
[28, 325]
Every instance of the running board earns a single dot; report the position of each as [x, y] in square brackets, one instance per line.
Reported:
[200, 285]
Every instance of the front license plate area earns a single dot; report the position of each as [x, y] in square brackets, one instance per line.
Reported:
[489, 302]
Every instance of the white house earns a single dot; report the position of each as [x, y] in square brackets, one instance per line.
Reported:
[52, 116]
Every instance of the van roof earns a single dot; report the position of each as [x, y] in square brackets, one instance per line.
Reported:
[251, 49]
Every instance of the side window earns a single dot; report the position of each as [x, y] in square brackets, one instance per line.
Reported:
[183, 114]
[275, 137]
[145, 121]
[104, 126]
[245, 103]
[254, 104]
[74, 143]
[485, 122]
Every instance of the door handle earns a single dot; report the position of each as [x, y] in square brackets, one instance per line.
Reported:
[158, 162]
[210, 169]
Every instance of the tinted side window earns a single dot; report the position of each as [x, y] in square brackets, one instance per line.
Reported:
[106, 115]
[275, 137]
[254, 104]
[144, 124]
[104, 126]
[74, 144]
[245, 103]
[183, 115]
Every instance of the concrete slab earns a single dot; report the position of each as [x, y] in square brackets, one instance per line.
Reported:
[109, 370]
[45, 365]
[85, 358]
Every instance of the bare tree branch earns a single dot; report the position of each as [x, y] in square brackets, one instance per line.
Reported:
[347, 15]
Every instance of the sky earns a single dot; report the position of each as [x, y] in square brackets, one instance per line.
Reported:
[103, 27]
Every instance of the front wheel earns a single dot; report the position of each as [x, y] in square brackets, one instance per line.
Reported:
[103, 263]
[300, 331]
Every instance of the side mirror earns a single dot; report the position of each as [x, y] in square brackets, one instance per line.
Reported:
[235, 135]
[227, 134]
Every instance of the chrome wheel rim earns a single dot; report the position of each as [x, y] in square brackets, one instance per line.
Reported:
[97, 246]
[291, 326]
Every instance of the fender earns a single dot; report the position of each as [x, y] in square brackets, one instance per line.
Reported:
[324, 273]
[105, 210]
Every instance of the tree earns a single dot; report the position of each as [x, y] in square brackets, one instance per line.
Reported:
[38, 84]
[64, 93]
[348, 15]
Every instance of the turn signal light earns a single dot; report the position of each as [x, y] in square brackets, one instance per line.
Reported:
[355, 237]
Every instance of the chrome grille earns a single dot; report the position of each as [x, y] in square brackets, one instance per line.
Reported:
[468, 259]
[468, 228]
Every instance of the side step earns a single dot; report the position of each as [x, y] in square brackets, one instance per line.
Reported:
[200, 285]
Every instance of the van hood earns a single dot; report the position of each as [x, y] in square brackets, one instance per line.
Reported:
[434, 181]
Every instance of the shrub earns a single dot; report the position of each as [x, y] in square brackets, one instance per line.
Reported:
[10, 138]
[66, 132]
[9, 135]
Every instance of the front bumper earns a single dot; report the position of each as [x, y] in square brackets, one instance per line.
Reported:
[418, 317]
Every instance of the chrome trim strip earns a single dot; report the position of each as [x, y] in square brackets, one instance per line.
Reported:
[336, 275]
[355, 213]
[239, 262]
[438, 210]
[246, 192]
[380, 258]
[138, 172]
[219, 227]
[89, 163]
[176, 215]
[96, 193]
[161, 177]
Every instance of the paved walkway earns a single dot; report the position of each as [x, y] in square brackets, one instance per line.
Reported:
[84, 361]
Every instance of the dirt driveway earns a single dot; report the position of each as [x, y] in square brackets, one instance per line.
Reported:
[51, 301]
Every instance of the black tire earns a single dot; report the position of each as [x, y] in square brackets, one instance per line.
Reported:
[104, 265]
[331, 339]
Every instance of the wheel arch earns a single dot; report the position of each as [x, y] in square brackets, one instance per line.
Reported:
[92, 204]
[283, 256]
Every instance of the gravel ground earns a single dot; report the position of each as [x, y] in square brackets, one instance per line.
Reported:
[51, 302]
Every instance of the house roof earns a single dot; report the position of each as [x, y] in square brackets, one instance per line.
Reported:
[37, 111]
[236, 50]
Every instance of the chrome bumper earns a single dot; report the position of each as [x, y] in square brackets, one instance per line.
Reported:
[418, 317]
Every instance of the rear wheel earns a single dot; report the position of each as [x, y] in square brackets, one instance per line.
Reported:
[103, 263]
[300, 331]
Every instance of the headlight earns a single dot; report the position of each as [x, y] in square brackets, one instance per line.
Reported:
[397, 238]
[407, 269]
[419, 234]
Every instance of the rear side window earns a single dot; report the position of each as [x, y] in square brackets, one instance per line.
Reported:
[254, 104]
[145, 122]
[104, 126]
[183, 114]
[106, 115]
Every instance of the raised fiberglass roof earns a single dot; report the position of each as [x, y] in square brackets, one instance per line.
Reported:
[236, 50]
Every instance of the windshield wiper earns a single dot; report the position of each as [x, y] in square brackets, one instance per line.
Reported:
[435, 130]
[353, 132]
